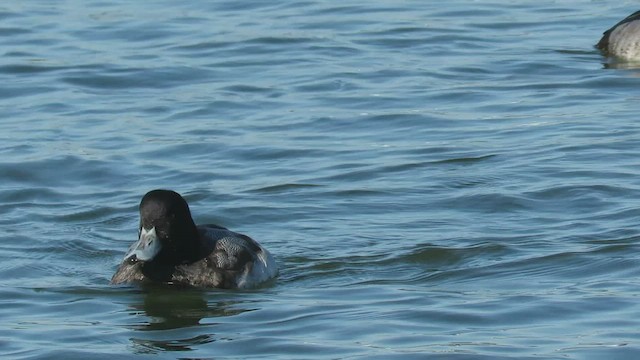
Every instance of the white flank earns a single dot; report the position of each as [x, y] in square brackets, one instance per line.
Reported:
[263, 269]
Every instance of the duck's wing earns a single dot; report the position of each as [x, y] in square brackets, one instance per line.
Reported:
[231, 260]
[231, 250]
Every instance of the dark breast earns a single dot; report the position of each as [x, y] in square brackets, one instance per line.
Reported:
[128, 272]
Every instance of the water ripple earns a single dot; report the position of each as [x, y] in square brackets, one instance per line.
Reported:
[441, 180]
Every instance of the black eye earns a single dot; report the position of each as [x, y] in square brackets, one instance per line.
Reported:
[133, 259]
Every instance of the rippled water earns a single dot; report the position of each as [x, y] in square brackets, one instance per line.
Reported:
[454, 180]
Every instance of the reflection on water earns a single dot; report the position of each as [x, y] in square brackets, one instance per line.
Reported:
[148, 346]
[619, 64]
[168, 308]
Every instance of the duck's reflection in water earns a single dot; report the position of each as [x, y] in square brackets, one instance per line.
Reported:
[173, 317]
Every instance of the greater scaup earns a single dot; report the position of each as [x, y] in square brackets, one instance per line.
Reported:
[623, 39]
[172, 249]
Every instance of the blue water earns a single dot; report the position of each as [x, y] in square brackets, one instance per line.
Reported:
[442, 180]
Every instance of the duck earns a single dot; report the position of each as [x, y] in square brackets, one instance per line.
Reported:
[172, 249]
[623, 39]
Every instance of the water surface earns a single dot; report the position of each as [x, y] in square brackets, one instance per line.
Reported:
[450, 180]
